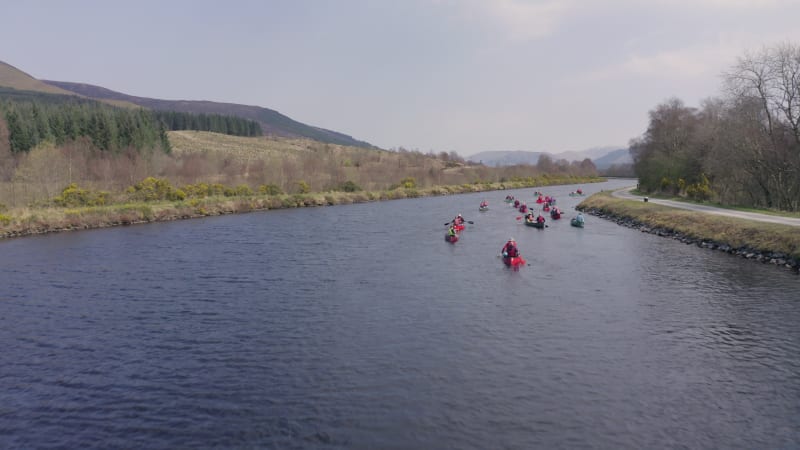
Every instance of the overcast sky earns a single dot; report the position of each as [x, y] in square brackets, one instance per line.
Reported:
[441, 75]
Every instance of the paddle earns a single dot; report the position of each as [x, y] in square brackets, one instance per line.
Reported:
[468, 221]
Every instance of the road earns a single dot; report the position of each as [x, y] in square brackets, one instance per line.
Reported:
[626, 194]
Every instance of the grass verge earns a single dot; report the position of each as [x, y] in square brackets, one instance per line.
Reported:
[756, 240]
[39, 220]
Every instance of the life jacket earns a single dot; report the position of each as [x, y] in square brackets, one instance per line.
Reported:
[512, 251]
[540, 219]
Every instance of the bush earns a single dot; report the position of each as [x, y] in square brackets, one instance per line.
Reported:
[349, 186]
[700, 191]
[244, 190]
[199, 190]
[73, 196]
[269, 189]
[154, 189]
[302, 187]
[4, 219]
[217, 189]
[408, 183]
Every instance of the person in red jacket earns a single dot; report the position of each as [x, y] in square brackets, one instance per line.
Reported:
[510, 249]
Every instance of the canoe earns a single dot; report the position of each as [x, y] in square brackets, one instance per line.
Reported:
[513, 261]
[539, 225]
[459, 227]
[555, 215]
[483, 208]
[575, 223]
[451, 239]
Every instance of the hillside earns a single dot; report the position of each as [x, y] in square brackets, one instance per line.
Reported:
[11, 77]
[616, 157]
[271, 121]
[14, 78]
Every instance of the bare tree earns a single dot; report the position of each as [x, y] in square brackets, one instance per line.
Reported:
[770, 80]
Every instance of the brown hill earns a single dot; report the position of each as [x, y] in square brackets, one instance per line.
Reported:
[272, 122]
[14, 78]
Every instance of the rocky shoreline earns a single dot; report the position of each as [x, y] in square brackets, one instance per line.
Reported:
[763, 256]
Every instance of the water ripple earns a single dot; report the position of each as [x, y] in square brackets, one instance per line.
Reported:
[230, 332]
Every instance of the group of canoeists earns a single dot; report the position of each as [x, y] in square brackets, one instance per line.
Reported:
[510, 252]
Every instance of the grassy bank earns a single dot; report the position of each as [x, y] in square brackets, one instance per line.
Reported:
[27, 221]
[779, 244]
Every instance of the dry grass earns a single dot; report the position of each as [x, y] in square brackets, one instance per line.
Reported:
[248, 149]
[23, 221]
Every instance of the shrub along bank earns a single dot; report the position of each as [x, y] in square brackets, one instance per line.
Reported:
[758, 241]
[156, 200]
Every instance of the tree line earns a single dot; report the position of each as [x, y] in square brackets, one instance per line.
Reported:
[741, 148]
[71, 140]
[33, 118]
[215, 123]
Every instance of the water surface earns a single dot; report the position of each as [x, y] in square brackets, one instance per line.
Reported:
[358, 326]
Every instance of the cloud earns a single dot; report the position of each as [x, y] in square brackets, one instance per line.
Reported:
[691, 62]
[516, 20]
[525, 21]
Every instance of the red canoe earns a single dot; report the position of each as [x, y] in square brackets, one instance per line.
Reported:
[513, 261]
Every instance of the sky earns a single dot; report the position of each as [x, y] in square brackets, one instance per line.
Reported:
[430, 75]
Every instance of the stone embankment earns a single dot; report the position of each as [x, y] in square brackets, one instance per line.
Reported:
[762, 256]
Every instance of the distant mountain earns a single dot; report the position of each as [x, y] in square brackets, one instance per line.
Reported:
[271, 121]
[506, 158]
[618, 157]
[510, 158]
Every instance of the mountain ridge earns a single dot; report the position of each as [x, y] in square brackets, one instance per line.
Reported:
[606, 156]
[271, 121]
